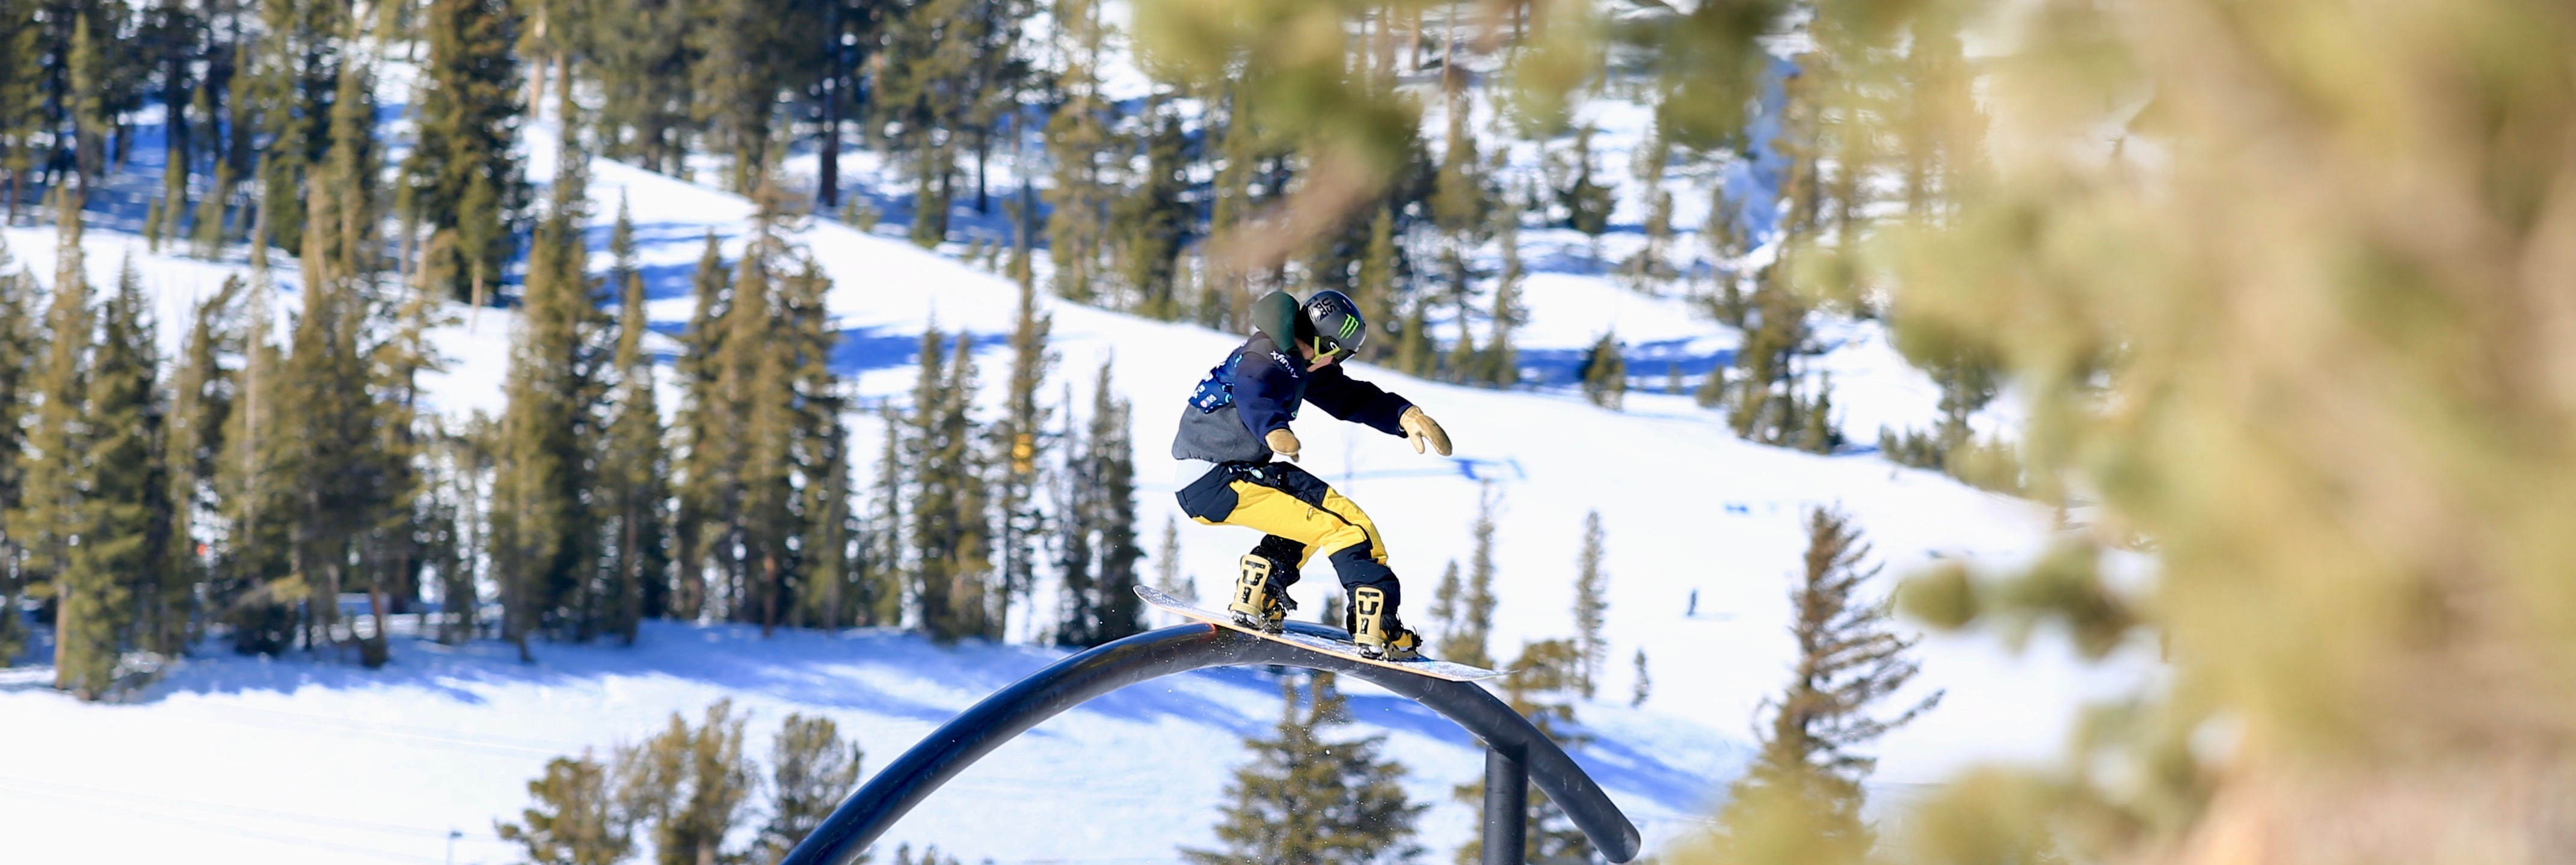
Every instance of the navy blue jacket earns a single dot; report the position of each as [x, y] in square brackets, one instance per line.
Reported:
[1258, 389]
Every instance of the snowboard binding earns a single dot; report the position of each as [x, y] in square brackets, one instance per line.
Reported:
[1258, 600]
[1377, 631]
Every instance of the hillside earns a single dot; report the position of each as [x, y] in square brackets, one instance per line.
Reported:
[294, 759]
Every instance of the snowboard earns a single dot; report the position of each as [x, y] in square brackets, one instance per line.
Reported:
[1337, 648]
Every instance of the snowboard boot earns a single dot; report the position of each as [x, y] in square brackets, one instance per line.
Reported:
[1377, 631]
[1260, 597]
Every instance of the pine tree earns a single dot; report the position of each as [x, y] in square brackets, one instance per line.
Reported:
[1098, 537]
[1377, 282]
[126, 546]
[888, 580]
[745, 467]
[1502, 363]
[1151, 220]
[948, 512]
[706, 423]
[456, 466]
[686, 787]
[1638, 692]
[718, 781]
[832, 585]
[546, 521]
[201, 405]
[1079, 142]
[633, 462]
[811, 768]
[1305, 799]
[1465, 609]
[1112, 477]
[1167, 565]
[466, 183]
[258, 585]
[1727, 245]
[1647, 270]
[745, 55]
[1849, 662]
[294, 72]
[1587, 203]
[113, 476]
[338, 474]
[1021, 443]
[52, 509]
[22, 80]
[1759, 399]
[641, 56]
[1604, 373]
[1591, 607]
[22, 350]
[573, 822]
[169, 45]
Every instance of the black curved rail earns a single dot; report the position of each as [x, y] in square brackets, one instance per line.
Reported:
[902, 784]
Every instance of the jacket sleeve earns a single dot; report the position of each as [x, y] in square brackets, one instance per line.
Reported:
[1356, 401]
[1262, 392]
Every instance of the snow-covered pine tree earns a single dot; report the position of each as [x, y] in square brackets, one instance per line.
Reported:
[1306, 799]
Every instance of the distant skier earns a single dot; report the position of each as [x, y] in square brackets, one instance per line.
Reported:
[1239, 417]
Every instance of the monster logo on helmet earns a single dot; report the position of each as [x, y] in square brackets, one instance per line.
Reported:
[1333, 324]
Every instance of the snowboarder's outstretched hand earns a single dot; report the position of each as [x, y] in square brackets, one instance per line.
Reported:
[1284, 443]
[1419, 428]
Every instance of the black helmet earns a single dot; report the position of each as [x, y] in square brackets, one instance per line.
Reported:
[1332, 324]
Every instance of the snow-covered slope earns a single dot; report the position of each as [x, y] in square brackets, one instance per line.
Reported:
[235, 759]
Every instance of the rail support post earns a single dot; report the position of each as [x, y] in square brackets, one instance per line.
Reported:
[1506, 806]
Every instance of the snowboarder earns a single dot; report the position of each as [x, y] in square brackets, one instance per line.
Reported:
[1238, 419]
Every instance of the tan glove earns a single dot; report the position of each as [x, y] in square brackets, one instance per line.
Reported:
[1282, 442]
[1419, 428]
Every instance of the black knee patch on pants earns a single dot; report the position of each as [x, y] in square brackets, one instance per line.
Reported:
[1210, 497]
